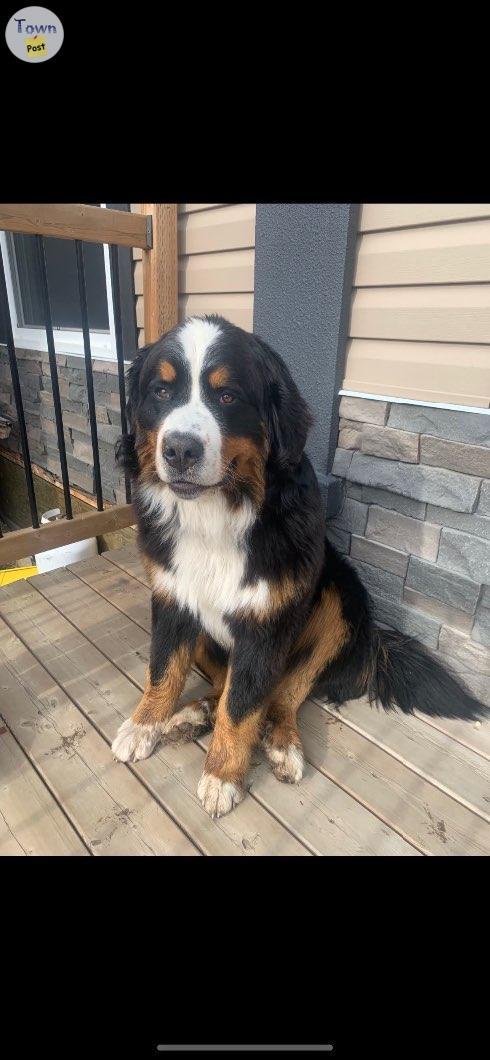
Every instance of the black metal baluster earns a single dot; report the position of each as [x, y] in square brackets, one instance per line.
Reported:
[54, 377]
[116, 301]
[89, 373]
[18, 398]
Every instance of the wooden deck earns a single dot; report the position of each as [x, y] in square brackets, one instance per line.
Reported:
[73, 652]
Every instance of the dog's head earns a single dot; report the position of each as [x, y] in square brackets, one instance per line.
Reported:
[210, 407]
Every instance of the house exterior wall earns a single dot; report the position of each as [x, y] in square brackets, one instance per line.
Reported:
[420, 320]
[415, 520]
[216, 244]
[36, 387]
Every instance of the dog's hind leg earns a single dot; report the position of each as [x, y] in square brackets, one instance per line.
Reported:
[195, 718]
[320, 642]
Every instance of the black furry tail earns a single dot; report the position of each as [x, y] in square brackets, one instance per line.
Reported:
[405, 675]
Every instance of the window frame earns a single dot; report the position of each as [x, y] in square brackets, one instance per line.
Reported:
[66, 340]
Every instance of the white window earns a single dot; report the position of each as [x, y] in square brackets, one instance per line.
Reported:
[20, 257]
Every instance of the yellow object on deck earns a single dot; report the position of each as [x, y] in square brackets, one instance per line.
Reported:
[14, 574]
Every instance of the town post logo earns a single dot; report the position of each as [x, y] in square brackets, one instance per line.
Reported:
[34, 34]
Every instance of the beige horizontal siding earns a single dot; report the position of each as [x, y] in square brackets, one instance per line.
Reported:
[192, 207]
[138, 284]
[379, 215]
[237, 307]
[432, 313]
[420, 317]
[216, 260]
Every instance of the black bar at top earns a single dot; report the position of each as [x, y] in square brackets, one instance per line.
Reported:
[54, 376]
[89, 373]
[14, 371]
[116, 301]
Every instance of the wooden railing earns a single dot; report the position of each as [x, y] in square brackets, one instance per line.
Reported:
[154, 230]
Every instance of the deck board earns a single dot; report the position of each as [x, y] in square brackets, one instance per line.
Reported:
[30, 817]
[110, 810]
[105, 697]
[74, 649]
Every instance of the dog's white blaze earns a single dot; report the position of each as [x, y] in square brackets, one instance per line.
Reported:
[196, 338]
[209, 558]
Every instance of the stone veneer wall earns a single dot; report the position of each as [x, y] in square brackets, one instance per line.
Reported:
[415, 524]
[37, 395]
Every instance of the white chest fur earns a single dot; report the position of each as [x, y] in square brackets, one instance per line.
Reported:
[209, 559]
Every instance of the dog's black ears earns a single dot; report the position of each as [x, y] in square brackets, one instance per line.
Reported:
[125, 446]
[288, 417]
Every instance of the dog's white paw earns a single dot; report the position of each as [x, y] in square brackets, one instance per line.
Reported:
[287, 763]
[187, 724]
[135, 741]
[218, 796]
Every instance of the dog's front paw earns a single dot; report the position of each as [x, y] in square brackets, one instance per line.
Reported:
[218, 796]
[134, 742]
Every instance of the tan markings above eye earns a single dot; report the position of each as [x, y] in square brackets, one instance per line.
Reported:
[167, 372]
[219, 377]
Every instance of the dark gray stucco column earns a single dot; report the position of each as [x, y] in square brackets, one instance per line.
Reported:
[304, 266]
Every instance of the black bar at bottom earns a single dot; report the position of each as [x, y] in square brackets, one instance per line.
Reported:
[14, 371]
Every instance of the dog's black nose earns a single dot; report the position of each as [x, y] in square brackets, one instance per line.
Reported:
[182, 451]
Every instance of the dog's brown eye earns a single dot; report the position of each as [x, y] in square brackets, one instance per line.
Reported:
[226, 398]
[162, 393]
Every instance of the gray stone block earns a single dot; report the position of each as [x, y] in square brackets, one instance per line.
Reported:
[109, 367]
[338, 538]
[450, 616]
[114, 417]
[389, 443]
[472, 524]
[108, 433]
[73, 375]
[465, 554]
[481, 628]
[476, 683]
[387, 558]
[341, 462]
[363, 409]
[416, 509]
[434, 485]
[410, 535]
[452, 589]
[379, 582]
[457, 456]
[77, 392]
[471, 657]
[78, 422]
[352, 518]
[350, 434]
[354, 491]
[442, 423]
[484, 502]
[407, 621]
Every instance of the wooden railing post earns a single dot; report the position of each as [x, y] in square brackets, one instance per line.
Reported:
[160, 278]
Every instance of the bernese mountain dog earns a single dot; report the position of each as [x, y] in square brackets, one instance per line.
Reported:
[245, 586]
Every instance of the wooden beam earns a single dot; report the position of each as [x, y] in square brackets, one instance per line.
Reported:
[73, 220]
[19, 543]
[160, 277]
